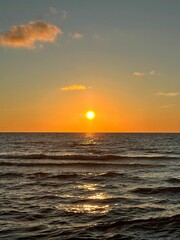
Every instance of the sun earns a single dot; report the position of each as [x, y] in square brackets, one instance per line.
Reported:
[90, 115]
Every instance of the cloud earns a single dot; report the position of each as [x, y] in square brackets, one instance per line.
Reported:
[167, 94]
[25, 36]
[64, 14]
[152, 72]
[76, 36]
[168, 106]
[75, 87]
[53, 10]
[97, 37]
[138, 74]
[141, 74]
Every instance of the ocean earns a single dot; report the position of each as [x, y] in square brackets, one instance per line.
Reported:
[89, 186]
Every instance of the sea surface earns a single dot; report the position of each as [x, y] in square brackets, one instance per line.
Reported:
[89, 186]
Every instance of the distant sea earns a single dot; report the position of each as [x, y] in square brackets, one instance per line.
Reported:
[89, 186]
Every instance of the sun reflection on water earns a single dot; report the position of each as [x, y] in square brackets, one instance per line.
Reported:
[91, 206]
[84, 208]
[88, 186]
[98, 196]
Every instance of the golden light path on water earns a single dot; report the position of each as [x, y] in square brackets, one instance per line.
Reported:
[90, 207]
[91, 193]
[88, 186]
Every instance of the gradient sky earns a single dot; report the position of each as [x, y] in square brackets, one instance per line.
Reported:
[60, 58]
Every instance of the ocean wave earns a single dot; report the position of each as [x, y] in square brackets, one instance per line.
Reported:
[79, 164]
[112, 174]
[62, 175]
[168, 190]
[173, 180]
[86, 157]
[172, 222]
[11, 175]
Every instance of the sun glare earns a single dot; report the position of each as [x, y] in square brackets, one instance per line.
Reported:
[90, 115]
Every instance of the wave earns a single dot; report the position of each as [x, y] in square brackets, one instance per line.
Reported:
[156, 223]
[78, 164]
[11, 175]
[55, 176]
[86, 157]
[62, 175]
[113, 174]
[168, 190]
[173, 180]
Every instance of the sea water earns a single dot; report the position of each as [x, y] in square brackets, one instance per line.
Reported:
[89, 186]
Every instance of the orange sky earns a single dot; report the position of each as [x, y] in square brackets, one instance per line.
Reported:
[120, 59]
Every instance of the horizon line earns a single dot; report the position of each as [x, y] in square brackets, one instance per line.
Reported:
[153, 132]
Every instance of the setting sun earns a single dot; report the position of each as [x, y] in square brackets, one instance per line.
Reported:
[90, 115]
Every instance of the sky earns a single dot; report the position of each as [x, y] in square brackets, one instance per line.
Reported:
[62, 58]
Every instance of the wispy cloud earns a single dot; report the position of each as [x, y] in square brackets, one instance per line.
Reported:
[152, 72]
[97, 37]
[75, 87]
[25, 36]
[53, 10]
[168, 106]
[64, 14]
[76, 36]
[141, 74]
[138, 74]
[167, 94]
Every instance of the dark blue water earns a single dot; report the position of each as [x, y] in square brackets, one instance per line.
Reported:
[89, 186]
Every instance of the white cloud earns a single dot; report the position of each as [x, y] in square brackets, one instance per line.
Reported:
[138, 74]
[25, 36]
[75, 87]
[76, 36]
[141, 74]
[167, 94]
